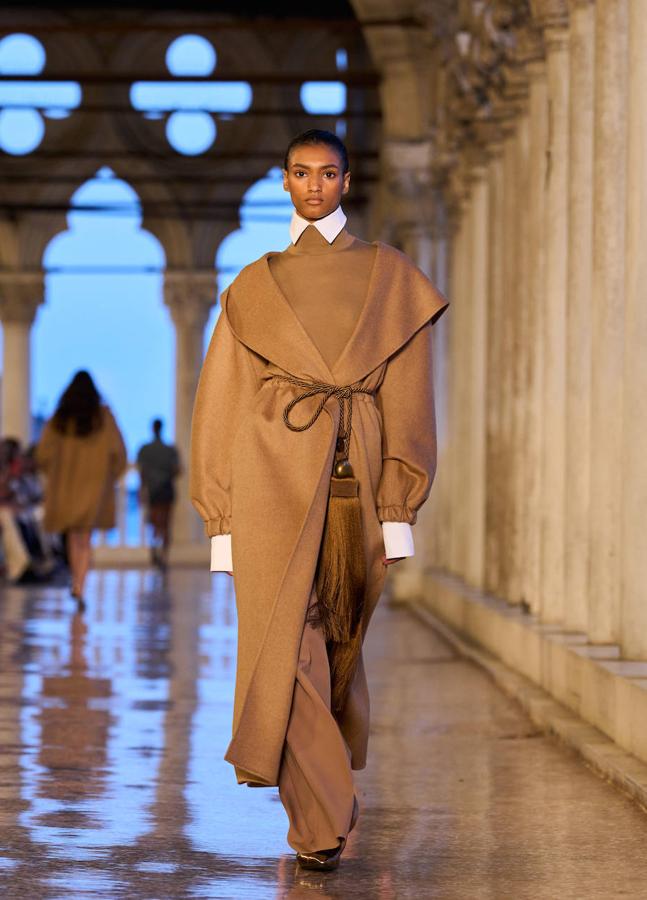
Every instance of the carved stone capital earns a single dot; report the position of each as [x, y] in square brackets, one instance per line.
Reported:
[409, 166]
[556, 38]
[21, 293]
[190, 296]
[550, 14]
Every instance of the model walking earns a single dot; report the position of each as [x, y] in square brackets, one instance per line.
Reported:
[82, 454]
[159, 467]
[313, 447]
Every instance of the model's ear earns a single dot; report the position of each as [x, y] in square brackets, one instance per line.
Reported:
[346, 186]
[285, 180]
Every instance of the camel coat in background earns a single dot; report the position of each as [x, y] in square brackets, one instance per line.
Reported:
[253, 477]
[81, 473]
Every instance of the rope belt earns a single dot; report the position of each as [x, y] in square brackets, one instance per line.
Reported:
[340, 576]
[343, 395]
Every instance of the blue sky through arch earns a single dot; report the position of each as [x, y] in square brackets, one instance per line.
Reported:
[262, 229]
[104, 308]
[109, 318]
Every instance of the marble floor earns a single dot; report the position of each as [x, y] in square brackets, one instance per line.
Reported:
[113, 726]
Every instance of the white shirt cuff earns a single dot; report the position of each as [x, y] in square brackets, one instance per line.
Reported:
[221, 560]
[398, 539]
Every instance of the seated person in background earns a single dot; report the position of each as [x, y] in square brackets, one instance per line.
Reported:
[26, 556]
[159, 466]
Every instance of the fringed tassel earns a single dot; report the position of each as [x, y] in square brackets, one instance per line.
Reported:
[343, 659]
[341, 581]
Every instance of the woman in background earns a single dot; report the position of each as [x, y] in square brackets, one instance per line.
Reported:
[82, 454]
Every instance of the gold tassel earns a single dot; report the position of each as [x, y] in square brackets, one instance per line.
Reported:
[341, 581]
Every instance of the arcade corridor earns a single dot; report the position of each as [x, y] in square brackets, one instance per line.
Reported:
[113, 727]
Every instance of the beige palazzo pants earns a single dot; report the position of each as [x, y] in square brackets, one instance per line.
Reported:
[315, 778]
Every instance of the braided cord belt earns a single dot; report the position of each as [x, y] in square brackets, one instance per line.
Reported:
[343, 395]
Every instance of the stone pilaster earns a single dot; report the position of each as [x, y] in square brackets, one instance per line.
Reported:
[608, 327]
[554, 324]
[519, 312]
[189, 296]
[505, 380]
[457, 457]
[414, 213]
[494, 507]
[477, 375]
[633, 632]
[21, 293]
[578, 330]
[537, 163]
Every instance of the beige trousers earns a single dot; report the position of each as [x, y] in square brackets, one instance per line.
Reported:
[315, 779]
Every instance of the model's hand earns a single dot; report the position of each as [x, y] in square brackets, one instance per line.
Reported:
[389, 562]
[230, 573]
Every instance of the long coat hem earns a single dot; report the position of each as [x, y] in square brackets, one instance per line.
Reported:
[271, 483]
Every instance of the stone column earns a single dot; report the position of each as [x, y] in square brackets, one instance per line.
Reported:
[518, 311]
[554, 326]
[607, 336]
[494, 500]
[578, 330]
[457, 353]
[506, 480]
[477, 376]
[20, 296]
[408, 167]
[189, 296]
[440, 500]
[538, 143]
[633, 633]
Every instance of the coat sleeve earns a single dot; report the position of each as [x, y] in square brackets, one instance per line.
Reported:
[405, 399]
[228, 382]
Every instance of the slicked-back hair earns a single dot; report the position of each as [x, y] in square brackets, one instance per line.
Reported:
[317, 136]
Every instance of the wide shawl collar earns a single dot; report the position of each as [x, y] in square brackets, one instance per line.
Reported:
[274, 567]
[400, 300]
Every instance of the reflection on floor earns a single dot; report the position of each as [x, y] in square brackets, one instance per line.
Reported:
[113, 725]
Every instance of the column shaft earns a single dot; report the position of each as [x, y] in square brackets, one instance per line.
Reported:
[538, 119]
[494, 508]
[477, 377]
[21, 293]
[407, 580]
[189, 297]
[519, 311]
[16, 380]
[634, 569]
[458, 352]
[578, 353]
[554, 329]
[608, 317]
[506, 376]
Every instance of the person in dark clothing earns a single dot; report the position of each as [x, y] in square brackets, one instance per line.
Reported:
[159, 466]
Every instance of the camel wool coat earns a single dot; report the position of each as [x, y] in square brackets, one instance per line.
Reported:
[267, 485]
[81, 473]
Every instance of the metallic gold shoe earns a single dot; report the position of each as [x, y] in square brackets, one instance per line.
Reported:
[321, 860]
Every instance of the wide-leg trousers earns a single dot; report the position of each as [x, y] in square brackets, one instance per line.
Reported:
[315, 780]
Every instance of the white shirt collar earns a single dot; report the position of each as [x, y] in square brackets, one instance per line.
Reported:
[329, 226]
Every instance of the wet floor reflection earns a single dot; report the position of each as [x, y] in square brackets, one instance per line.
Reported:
[113, 725]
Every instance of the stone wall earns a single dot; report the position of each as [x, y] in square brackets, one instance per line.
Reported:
[533, 542]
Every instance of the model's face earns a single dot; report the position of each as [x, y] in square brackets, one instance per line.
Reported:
[315, 180]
